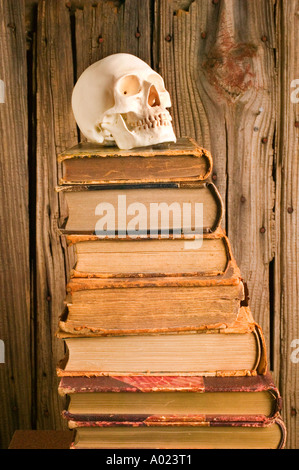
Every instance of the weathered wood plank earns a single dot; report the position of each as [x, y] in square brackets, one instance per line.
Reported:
[105, 27]
[287, 197]
[56, 130]
[175, 51]
[217, 59]
[220, 73]
[15, 374]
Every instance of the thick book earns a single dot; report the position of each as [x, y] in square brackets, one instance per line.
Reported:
[41, 439]
[89, 163]
[207, 256]
[181, 435]
[123, 305]
[145, 399]
[146, 209]
[238, 350]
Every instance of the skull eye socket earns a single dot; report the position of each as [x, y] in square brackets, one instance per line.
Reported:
[129, 85]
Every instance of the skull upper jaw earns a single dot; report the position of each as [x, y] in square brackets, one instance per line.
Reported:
[129, 133]
[139, 116]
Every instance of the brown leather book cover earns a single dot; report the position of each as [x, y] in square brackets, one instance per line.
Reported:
[41, 439]
[139, 384]
[89, 163]
[277, 442]
[175, 420]
[162, 383]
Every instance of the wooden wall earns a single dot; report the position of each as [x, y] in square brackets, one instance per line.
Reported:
[228, 65]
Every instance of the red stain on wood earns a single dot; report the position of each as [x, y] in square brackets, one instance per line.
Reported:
[229, 69]
[228, 64]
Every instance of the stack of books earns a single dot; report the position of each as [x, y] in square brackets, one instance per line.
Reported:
[162, 348]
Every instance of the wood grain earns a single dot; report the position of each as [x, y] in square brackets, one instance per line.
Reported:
[56, 130]
[104, 28]
[228, 66]
[15, 373]
[287, 196]
[220, 73]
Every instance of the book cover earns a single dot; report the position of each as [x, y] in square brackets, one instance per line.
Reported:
[210, 256]
[153, 301]
[232, 351]
[141, 209]
[211, 399]
[198, 434]
[89, 163]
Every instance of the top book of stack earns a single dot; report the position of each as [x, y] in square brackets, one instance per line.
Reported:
[90, 164]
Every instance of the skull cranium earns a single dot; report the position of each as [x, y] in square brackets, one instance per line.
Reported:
[121, 100]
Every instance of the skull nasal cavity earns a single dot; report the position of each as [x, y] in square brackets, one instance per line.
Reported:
[153, 97]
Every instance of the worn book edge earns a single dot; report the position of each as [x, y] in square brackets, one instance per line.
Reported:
[117, 384]
[73, 240]
[93, 421]
[231, 277]
[209, 185]
[246, 326]
[67, 329]
[183, 146]
[277, 421]
[146, 384]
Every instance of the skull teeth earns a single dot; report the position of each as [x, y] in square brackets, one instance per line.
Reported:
[150, 122]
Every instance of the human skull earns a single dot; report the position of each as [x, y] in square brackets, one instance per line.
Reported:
[121, 100]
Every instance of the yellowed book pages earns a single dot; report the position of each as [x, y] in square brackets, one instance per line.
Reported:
[182, 437]
[235, 350]
[87, 209]
[209, 256]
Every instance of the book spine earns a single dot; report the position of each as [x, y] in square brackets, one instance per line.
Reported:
[93, 420]
[146, 384]
[68, 329]
[231, 278]
[277, 421]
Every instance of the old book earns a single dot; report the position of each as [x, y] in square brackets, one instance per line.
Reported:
[163, 398]
[210, 255]
[41, 439]
[182, 435]
[235, 350]
[142, 209]
[89, 163]
[123, 305]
